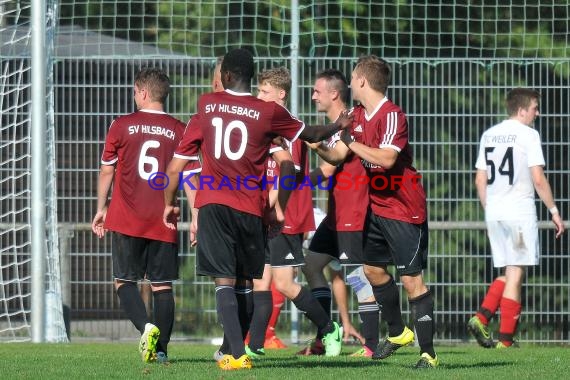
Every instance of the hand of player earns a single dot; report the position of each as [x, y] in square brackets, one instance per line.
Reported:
[345, 120]
[559, 224]
[98, 223]
[313, 146]
[350, 331]
[273, 221]
[170, 216]
[194, 228]
[346, 137]
[281, 142]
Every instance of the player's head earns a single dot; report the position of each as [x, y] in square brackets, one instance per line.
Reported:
[370, 70]
[151, 85]
[330, 87]
[217, 76]
[522, 104]
[274, 85]
[239, 64]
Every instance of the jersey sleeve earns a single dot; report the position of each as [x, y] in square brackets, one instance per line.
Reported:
[110, 150]
[189, 147]
[535, 155]
[284, 124]
[333, 140]
[296, 149]
[396, 133]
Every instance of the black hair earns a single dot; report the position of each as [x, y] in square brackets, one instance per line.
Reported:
[240, 63]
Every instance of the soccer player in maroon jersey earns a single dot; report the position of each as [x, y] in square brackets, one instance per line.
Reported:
[137, 147]
[338, 239]
[396, 232]
[233, 131]
[285, 250]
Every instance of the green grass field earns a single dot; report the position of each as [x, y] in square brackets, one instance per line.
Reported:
[193, 361]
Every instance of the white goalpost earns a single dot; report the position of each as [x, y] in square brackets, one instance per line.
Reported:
[30, 289]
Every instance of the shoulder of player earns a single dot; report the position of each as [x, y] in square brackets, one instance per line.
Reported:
[390, 107]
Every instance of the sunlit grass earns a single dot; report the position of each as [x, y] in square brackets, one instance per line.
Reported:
[193, 361]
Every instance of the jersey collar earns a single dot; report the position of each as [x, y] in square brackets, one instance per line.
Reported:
[368, 117]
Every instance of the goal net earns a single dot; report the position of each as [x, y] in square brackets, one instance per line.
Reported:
[15, 183]
[391, 29]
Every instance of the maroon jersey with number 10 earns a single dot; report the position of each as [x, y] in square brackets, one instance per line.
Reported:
[139, 145]
[233, 131]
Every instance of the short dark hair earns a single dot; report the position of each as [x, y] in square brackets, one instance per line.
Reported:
[155, 81]
[240, 63]
[520, 98]
[337, 81]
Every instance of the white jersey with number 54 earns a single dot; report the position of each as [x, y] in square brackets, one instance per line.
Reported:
[507, 152]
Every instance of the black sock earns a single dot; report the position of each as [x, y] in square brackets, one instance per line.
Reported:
[422, 314]
[163, 310]
[226, 305]
[262, 308]
[388, 299]
[244, 298]
[133, 305]
[314, 311]
[369, 323]
[324, 296]
[225, 347]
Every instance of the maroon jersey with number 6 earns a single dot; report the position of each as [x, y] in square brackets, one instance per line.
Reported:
[140, 145]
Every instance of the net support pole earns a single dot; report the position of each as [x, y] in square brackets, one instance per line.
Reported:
[38, 171]
[294, 64]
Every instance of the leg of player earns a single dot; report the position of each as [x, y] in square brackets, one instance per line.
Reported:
[510, 305]
[227, 308]
[163, 311]
[317, 282]
[478, 324]
[387, 296]
[272, 341]
[133, 305]
[368, 311]
[421, 306]
[304, 301]
[262, 305]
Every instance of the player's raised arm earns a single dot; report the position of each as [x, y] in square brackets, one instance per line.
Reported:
[316, 133]
[333, 155]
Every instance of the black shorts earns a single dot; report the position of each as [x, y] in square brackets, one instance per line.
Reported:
[136, 258]
[230, 243]
[346, 246]
[286, 251]
[388, 241]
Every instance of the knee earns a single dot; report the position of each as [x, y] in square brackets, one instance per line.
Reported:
[285, 287]
[376, 275]
[414, 285]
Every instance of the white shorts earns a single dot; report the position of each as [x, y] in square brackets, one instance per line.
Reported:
[513, 242]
